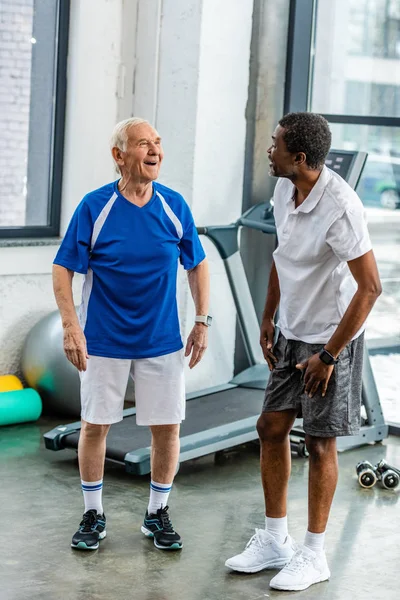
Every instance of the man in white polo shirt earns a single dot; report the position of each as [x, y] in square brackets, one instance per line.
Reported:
[325, 280]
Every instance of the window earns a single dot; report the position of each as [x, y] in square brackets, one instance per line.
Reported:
[373, 28]
[356, 68]
[33, 50]
[379, 189]
[364, 98]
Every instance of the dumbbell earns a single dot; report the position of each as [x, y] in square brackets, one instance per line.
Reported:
[366, 473]
[388, 475]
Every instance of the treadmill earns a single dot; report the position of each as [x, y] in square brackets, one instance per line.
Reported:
[225, 416]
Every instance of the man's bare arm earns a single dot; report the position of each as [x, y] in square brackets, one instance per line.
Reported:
[199, 282]
[74, 339]
[62, 286]
[267, 329]
[365, 272]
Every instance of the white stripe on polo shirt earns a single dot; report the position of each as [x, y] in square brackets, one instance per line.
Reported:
[172, 215]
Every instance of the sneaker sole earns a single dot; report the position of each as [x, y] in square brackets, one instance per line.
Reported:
[267, 565]
[299, 588]
[83, 546]
[150, 534]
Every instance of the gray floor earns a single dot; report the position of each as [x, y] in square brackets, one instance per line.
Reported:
[214, 507]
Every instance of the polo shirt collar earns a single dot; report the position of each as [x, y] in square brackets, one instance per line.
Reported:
[316, 193]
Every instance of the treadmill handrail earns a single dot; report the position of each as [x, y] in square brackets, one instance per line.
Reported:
[264, 227]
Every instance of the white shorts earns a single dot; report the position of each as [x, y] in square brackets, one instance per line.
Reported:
[159, 389]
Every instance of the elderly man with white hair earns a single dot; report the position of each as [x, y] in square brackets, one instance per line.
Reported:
[126, 238]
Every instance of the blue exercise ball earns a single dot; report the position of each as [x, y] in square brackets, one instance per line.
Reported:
[47, 369]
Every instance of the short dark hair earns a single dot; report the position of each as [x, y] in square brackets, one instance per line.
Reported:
[308, 133]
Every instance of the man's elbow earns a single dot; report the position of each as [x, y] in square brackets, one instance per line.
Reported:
[376, 287]
[378, 290]
[373, 289]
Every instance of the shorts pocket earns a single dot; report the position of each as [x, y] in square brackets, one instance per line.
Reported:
[330, 414]
[345, 353]
[280, 351]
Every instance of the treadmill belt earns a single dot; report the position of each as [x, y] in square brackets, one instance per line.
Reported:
[202, 413]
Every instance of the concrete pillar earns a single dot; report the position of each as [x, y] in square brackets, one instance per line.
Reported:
[264, 109]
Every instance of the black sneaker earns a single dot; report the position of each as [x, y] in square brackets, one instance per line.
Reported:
[92, 528]
[160, 528]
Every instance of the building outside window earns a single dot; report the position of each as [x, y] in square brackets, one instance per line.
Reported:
[33, 49]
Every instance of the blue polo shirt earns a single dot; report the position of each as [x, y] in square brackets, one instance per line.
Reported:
[129, 256]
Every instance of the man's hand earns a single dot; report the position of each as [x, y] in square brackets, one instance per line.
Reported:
[316, 373]
[267, 332]
[197, 344]
[75, 346]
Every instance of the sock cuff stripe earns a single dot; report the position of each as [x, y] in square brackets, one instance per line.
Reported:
[92, 488]
[156, 488]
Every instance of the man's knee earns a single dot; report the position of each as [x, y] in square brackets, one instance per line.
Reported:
[164, 433]
[272, 428]
[320, 448]
[92, 431]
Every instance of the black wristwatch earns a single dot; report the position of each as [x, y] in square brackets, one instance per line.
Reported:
[327, 357]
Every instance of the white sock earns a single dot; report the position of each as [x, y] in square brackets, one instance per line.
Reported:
[314, 541]
[159, 493]
[92, 491]
[277, 527]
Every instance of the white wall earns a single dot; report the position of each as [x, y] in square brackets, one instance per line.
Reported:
[217, 185]
[190, 73]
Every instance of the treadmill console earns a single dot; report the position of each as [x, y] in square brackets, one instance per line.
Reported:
[348, 164]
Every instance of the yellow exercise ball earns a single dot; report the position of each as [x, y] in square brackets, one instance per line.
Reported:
[10, 383]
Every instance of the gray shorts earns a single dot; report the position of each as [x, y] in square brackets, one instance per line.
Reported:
[338, 413]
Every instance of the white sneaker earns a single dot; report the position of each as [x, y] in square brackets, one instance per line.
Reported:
[262, 552]
[305, 568]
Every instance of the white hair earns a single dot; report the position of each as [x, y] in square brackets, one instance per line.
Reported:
[119, 136]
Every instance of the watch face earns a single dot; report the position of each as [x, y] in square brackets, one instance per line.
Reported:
[326, 357]
[209, 320]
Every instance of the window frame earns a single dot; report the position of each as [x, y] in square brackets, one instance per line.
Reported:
[299, 67]
[52, 229]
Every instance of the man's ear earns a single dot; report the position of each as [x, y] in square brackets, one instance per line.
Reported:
[300, 158]
[117, 155]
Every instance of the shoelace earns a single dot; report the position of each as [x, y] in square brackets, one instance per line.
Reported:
[88, 521]
[298, 561]
[256, 542]
[163, 515]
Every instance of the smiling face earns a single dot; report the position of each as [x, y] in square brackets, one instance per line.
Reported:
[142, 158]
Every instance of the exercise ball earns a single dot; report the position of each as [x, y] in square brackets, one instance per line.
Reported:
[10, 383]
[47, 369]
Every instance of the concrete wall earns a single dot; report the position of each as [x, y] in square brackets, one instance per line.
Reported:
[184, 64]
[265, 108]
